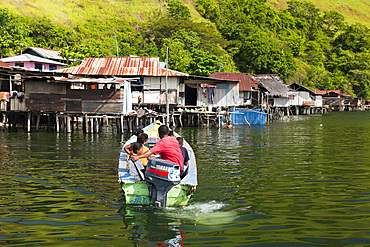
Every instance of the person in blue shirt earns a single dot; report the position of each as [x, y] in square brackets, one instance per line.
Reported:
[185, 154]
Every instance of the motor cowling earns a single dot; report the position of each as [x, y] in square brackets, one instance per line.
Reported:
[161, 175]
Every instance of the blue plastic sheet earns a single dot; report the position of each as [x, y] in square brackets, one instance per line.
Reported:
[240, 116]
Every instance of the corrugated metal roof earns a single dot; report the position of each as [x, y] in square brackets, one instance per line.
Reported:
[94, 80]
[46, 53]
[273, 84]
[298, 87]
[246, 82]
[30, 58]
[4, 65]
[121, 66]
[323, 92]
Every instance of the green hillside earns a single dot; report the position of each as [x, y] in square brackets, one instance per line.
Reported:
[73, 12]
[354, 11]
[319, 44]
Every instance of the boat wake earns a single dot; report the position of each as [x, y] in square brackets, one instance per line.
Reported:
[204, 208]
[209, 213]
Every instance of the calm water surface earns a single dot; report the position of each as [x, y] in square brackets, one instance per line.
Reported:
[305, 182]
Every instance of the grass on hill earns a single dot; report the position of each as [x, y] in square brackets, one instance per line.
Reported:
[73, 12]
[354, 11]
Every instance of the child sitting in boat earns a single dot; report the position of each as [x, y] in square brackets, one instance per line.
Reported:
[168, 147]
[143, 139]
[136, 169]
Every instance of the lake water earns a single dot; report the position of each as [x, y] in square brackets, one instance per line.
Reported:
[302, 182]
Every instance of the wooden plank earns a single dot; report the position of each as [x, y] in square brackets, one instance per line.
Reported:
[44, 102]
[45, 87]
[102, 107]
[73, 106]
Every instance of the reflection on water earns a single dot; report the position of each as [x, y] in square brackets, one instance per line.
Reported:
[296, 183]
[147, 225]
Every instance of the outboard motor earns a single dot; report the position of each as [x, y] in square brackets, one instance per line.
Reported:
[161, 175]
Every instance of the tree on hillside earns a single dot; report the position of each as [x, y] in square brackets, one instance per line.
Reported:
[332, 23]
[198, 48]
[177, 11]
[44, 34]
[12, 31]
[260, 54]
[77, 53]
[355, 38]
[187, 55]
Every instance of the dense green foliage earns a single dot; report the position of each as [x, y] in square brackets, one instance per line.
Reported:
[301, 44]
[12, 31]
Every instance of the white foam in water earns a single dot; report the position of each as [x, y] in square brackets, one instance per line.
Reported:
[208, 213]
[204, 208]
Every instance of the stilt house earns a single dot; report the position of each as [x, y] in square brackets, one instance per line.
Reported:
[275, 93]
[248, 87]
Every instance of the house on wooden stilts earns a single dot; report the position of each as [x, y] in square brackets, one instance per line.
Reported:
[304, 100]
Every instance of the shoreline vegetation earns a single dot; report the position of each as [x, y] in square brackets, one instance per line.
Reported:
[317, 49]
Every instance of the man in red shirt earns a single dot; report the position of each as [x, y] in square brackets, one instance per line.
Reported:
[168, 147]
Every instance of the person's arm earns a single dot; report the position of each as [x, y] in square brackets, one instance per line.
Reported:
[127, 148]
[186, 158]
[144, 155]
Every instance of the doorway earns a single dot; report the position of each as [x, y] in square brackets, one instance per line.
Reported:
[191, 93]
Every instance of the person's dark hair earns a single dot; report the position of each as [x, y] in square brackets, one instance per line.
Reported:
[136, 147]
[170, 133]
[138, 132]
[145, 135]
[180, 140]
[142, 138]
[163, 130]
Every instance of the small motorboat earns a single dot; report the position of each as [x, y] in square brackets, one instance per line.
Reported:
[161, 186]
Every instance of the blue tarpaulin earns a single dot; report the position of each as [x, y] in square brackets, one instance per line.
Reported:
[240, 116]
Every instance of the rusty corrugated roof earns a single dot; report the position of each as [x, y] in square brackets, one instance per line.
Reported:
[114, 80]
[4, 65]
[323, 92]
[245, 81]
[121, 66]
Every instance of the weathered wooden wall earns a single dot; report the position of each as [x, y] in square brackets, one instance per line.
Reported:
[43, 96]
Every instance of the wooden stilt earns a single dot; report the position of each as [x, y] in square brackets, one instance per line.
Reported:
[68, 120]
[97, 125]
[49, 122]
[38, 122]
[122, 124]
[9, 121]
[86, 124]
[64, 124]
[72, 123]
[29, 122]
[91, 124]
[130, 124]
[57, 123]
